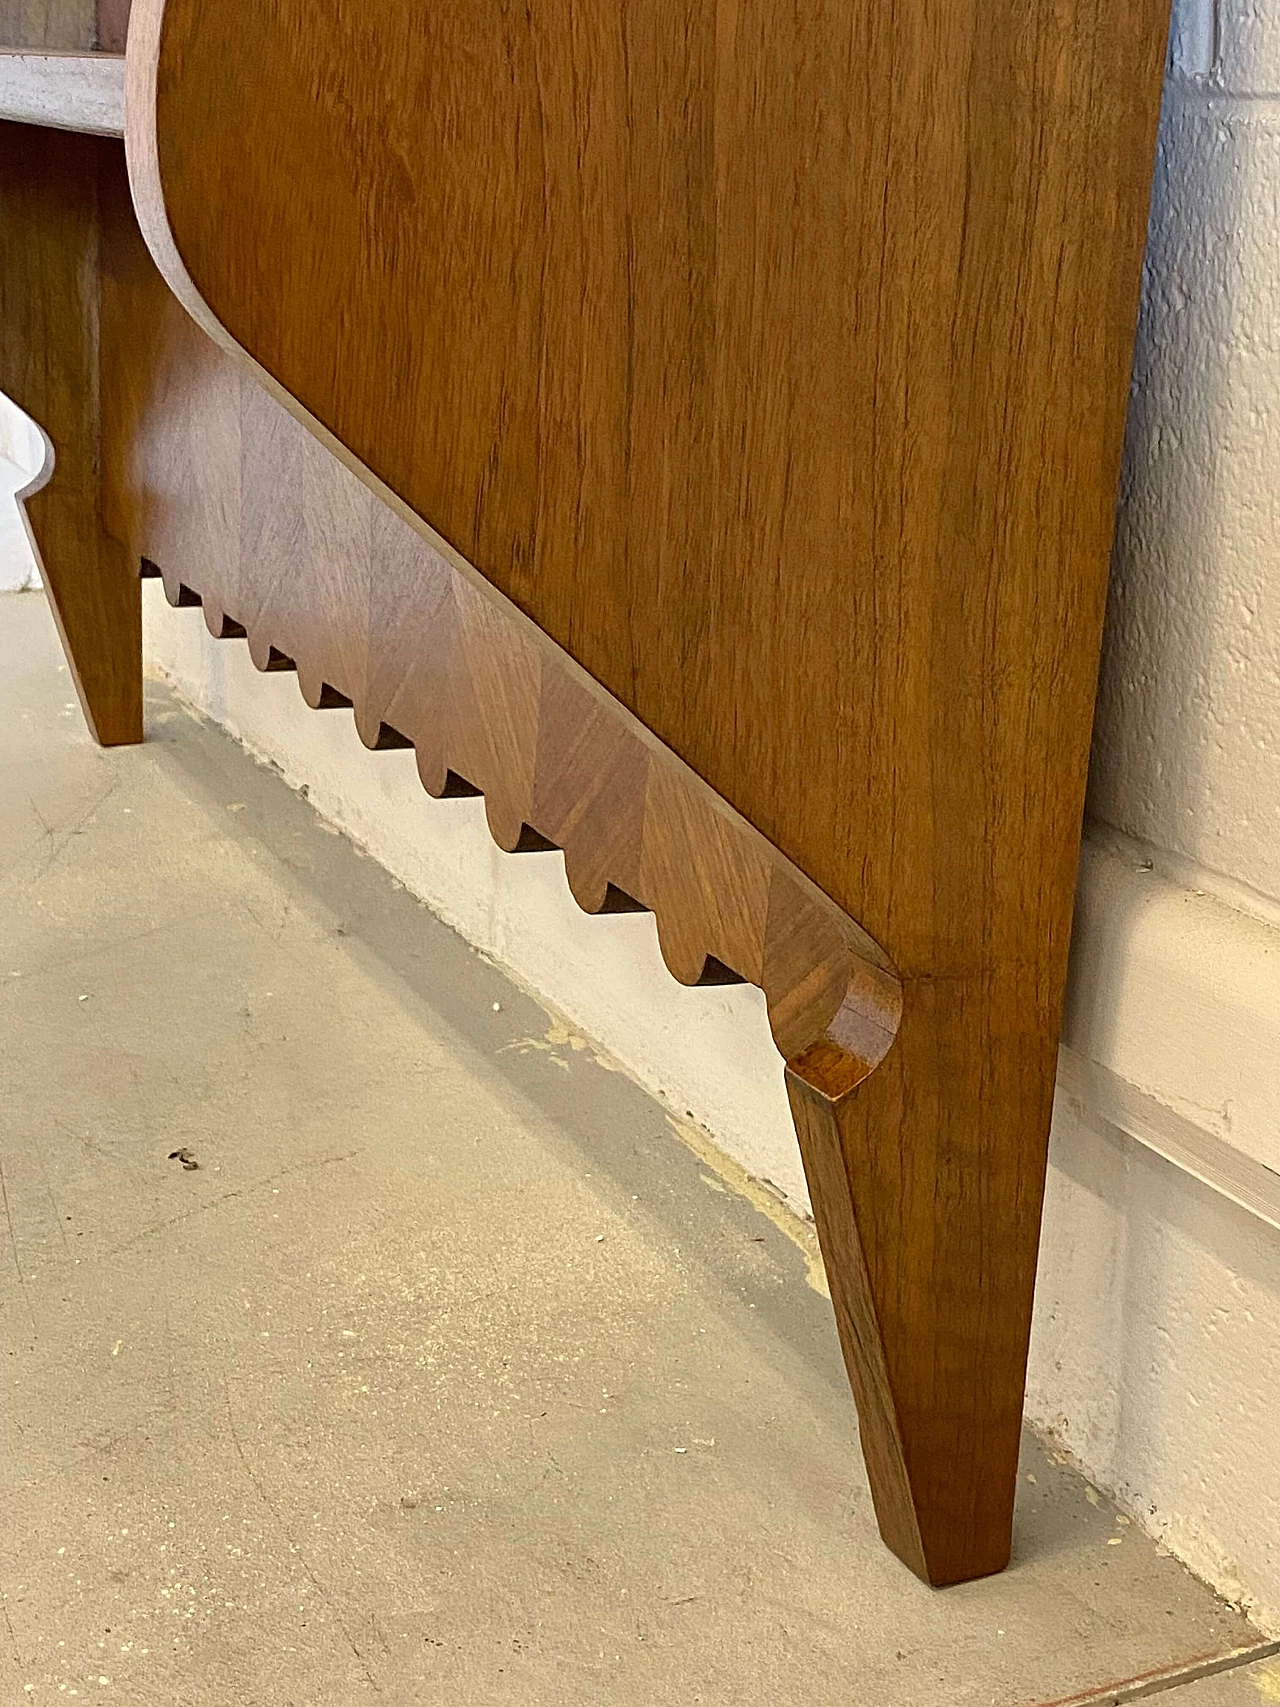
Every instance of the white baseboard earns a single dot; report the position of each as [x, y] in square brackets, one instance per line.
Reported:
[1172, 1024]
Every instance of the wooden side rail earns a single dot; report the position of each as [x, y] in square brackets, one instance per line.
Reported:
[697, 429]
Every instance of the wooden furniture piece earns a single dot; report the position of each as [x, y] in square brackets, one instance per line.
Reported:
[697, 429]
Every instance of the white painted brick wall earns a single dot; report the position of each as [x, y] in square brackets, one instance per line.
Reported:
[1187, 744]
[1157, 1345]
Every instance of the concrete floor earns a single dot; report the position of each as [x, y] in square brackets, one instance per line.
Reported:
[1254, 1684]
[450, 1374]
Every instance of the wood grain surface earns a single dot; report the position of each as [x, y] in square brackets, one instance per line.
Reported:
[50, 186]
[242, 511]
[774, 362]
[773, 359]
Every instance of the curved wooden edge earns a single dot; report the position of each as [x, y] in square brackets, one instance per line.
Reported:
[561, 762]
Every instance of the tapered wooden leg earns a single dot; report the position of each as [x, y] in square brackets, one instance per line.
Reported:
[927, 1181]
[49, 298]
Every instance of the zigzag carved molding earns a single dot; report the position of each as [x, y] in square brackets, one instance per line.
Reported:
[492, 711]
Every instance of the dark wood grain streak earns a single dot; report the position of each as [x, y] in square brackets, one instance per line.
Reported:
[773, 361]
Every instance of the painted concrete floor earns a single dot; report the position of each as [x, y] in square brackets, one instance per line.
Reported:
[449, 1374]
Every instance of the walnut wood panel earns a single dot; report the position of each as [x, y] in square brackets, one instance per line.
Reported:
[49, 221]
[751, 349]
[246, 513]
[773, 361]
